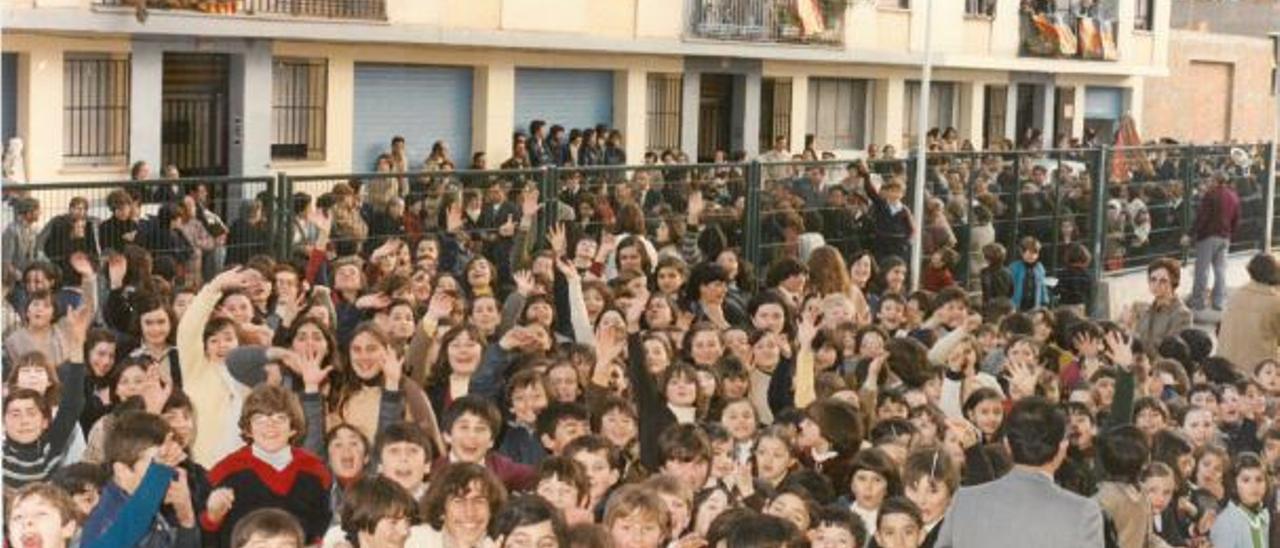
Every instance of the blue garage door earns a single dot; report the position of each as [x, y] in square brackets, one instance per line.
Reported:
[421, 104]
[571, 98]
[8, 97]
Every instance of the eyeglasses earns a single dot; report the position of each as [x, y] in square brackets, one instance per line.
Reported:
[274, 419]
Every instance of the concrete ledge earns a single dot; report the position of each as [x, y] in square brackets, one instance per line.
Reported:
[1116, 291]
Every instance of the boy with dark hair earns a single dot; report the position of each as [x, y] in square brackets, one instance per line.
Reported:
[528, 521]
[561, 423]
[404, 455]
[470, 426]
[603, 463]
[129, 511]
[1029, 288]
[84, 482]
[563, 482]
[685, 454]
[41, 515]
[835, 525]
[527, 395]
[1075, 283]
[269, 471]
[996, 281]
[891, 220]
[377, 512]
[268, 527]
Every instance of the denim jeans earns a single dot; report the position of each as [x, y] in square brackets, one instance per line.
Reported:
[1211, 251]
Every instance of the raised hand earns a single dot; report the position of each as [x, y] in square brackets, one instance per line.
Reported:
[1119, 350]
[393, 372]
[231, 279]
[155, 391]
[81, 264]
[696, 206]
[80, 318]
[373, 301]
[806, 331]
[567, 269]
[529, 203]
[178, 497]
[312, 372]
[635, 310]
[1022, 379]
[220, 502]
[556, 236]
[608, 243]
[441, 306]
[524, 282]
[453, 218]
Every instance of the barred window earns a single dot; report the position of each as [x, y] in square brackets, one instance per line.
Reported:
[95, 109]
[985, 8]
[298, 109]
[900, 4]
[775, 110]
[663, 111]
[838, 113]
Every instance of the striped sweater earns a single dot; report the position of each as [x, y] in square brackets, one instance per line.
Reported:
[31, 462]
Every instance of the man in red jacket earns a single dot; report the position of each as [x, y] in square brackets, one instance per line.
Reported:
[1216, 220]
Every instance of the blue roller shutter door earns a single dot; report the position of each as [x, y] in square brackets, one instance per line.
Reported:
[571, 98]
[421, 103]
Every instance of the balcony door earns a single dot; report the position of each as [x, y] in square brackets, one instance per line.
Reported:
[194, 113]
[715, 115]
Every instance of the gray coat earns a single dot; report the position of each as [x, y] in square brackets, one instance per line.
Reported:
[1023, 508]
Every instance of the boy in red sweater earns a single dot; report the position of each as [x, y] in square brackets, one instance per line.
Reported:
[937, 274]
[269, 472]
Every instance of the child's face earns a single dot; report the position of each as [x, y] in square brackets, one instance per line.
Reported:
[271, 432]
[898, 531]
[1209, 470]
[346, 454]
[1159, 491]
[892, 194]
[987, 416]
[404, 462]
[891, 409]
[389, 531]
[1030, 255]
[566, 430]
[937, 260]
[1269, 378]
[932, 496]
[601, 476]
[1199, 426]
[561, 494]
[180, 423]
[692, 473]
[1149, 421]
[722, 463]
[1251, 486]
[739, 419]
[470, 438]
[636, 531]
[869, 489]
[527, 402]
[23, 421]
[619, 427]
[773, 459]
[35, 521]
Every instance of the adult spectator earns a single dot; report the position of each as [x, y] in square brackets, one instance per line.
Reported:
[19, 238]
[1026, 502]
[1250, 329]
[1216, 221]
[1165, 315]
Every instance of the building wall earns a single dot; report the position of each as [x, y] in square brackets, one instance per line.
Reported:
[1198, 61]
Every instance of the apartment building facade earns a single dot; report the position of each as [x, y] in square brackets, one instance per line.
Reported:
[249, 87]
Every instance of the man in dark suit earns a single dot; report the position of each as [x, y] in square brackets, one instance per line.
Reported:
[1025, 507]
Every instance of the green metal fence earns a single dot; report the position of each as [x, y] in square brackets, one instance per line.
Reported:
[1125, 206]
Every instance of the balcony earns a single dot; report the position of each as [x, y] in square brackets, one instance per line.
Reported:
[360, 10]
[817, 22]
[1067, 34]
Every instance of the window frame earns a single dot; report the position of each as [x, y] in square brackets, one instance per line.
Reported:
[96, 115]
[305, 119]
[663, 111]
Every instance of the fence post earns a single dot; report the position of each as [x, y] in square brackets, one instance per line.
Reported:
[548, 210]
[1189, 174]
[751, 221]
[1015, 200]
[1099, 235]
[284, 207]
[1269, 194]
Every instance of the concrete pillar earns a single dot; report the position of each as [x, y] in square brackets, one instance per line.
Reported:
[750, 118]
[250, 106]
[1011, 113]
[340, 119]
[972, 111]
[38, 72]
[799, 111]
[1045, 113]
[493, 110]
[887, 128]
[690, 106]
[1077, 117]
[146, 89]
[630, 87]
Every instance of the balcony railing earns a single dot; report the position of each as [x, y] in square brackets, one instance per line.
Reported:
[789, 21]
[1065, 34]
[373, 10]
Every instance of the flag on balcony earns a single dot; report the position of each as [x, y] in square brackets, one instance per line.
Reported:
[810, 14]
